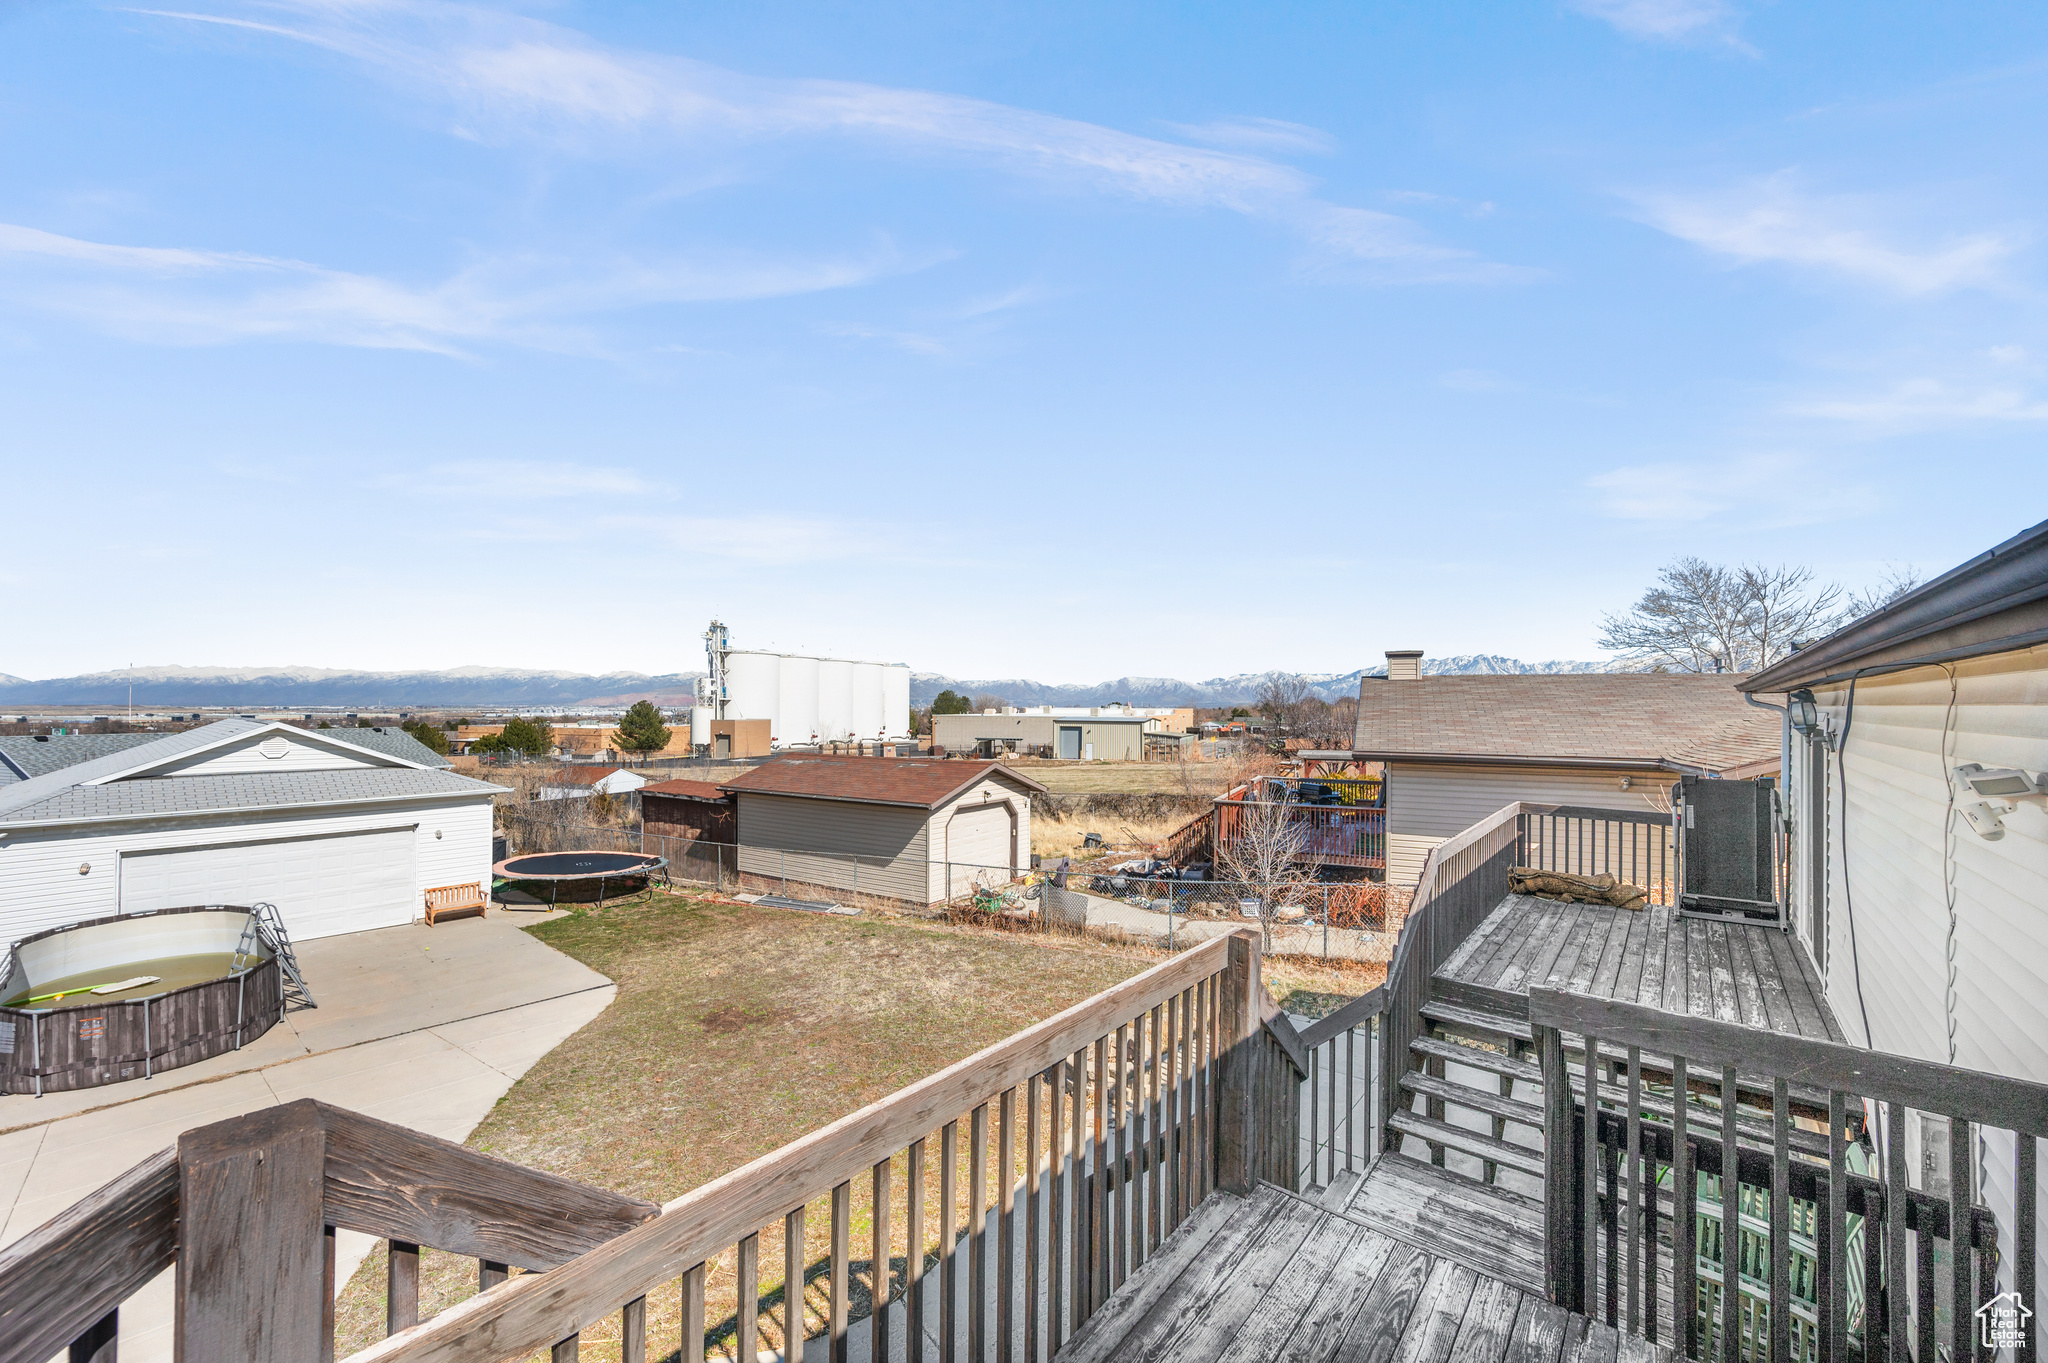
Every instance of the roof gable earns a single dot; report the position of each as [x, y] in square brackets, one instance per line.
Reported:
[921, 782]
[273, 748]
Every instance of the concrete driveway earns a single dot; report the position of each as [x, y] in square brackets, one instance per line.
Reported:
[426, 1027]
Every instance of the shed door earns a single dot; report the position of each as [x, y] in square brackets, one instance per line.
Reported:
[322, 886]
[978, 848]
[1070, 742]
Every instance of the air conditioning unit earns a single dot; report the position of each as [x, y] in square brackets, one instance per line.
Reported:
[1727, 837]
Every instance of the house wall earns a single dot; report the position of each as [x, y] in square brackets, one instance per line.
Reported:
[1895, 862]
[668, 816]
[40, 884]
[892, 841]
[1427, 803]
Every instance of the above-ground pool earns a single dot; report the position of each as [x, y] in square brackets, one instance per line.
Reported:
[575, 877]
[55, 1034]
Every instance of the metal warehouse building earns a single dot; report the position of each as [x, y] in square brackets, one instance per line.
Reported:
[914, 829]
[1102, 736]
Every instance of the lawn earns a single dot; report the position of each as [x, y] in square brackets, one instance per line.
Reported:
[736, 1030]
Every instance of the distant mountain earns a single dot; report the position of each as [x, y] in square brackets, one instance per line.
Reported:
[284, 687]
[1240, 689]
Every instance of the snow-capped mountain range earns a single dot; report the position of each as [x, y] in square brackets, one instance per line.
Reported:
[174, 686]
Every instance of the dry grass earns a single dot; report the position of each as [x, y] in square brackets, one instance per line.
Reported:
[737, 1030]
[1061, 837]
[1205, 779]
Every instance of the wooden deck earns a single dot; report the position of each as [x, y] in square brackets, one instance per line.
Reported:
[1757, 976]
[1272, 1276]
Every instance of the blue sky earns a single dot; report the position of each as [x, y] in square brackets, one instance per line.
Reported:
[1062, 341]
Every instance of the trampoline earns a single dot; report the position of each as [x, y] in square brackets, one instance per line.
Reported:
[572, 877]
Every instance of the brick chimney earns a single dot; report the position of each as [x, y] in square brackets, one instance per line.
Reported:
[1404, 664]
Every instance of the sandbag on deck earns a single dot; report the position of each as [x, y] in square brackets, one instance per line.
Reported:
[1600, 889]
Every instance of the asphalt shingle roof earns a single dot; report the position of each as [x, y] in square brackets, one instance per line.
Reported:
[1694, 719]
[688, 790]
[392, 742]
[253, 790]
[31, 757]
[921, 781]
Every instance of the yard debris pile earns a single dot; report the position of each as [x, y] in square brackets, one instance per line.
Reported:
[1599, 889]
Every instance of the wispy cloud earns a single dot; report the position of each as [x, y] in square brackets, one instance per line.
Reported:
[516, 79]
[186, 296]
[1920, 403]
[1751, 486]
[1667, 21]
[1773, 220]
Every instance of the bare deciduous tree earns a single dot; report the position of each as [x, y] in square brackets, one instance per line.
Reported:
[989, 702]
[1895, 583]
[1702, 615]
[1274, 855]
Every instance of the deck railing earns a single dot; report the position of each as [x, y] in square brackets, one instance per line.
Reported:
[1627, 1181]
[1631, 845]
[1131, 1107]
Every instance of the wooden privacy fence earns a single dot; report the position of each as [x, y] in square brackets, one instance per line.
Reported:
[1623, 1170]
[1131, 1107]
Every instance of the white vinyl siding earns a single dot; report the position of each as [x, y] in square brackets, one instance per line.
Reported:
[247, 755]
[1428, 803]
[891, 841]
[1891, 877]
[41, 885]
[349, 882]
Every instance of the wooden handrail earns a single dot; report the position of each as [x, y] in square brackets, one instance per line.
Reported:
[535, 1311]
[1366, 1005]
[61, 1277]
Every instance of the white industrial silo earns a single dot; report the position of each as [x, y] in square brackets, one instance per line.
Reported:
[754, 687]
[797, 721]
[895, 719]
[864, 708]
[835, 699]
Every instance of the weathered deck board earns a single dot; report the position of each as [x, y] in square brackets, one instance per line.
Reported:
[1734, 972]
[1404, 1274]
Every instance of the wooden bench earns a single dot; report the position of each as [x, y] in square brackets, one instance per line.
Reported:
[455, 901]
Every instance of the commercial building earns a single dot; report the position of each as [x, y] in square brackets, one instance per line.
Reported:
[915, 829]
[1104, 734]
[804, 699]
[341, 829]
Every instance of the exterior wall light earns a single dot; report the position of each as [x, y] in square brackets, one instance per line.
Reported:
[1805, 715]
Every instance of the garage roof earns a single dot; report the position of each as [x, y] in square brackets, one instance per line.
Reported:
[688, 790]
[922, 782]
[23, 756]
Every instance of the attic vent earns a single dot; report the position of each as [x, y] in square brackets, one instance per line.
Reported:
[274, 747]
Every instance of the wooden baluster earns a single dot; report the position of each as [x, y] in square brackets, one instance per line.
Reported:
[1559, 1215]
[401, 1286]
[1034, 1253]
[1781, 1223]
[1154, 1176]
[1589, 1167]
[100, 1342]
[1056, 1212]
[1685, 1186]
[949, 1259]
[693, 1315]
[1962, 1162]
[1098, 1184]
[1834, 1240]
[633, 1332]
[1315, 1096]
[566, 1351]
[327, 1294]
[1610, 1159]
[489, 1273]
[1926, 1293]
[793, 1288]
[1212, 1050]
[1632, 1158]
[842, 1253]
[913, 1256]
[1006, 1221]
[1350, 1096]
[1895, 1200]
[1648, 1231]
[1080, 1265]
[1731, 1224]
[880, 1251]
[1119, 1179]
[2024, 1229]
[749, 1294]
[1176, 1110]
[977, 1234]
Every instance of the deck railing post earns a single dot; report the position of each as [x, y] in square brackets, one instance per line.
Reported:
[1237, 1161]
[1560, 1212]
[251, 1246]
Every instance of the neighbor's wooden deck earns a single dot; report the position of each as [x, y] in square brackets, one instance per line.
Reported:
[1758, 976]
[1278, 1277]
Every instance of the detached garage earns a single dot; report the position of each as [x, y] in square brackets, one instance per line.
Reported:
[915, 829]
[340, 835]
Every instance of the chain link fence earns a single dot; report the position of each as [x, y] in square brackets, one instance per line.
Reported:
[1352, 920]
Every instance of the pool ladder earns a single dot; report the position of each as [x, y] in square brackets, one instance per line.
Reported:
[266, 928]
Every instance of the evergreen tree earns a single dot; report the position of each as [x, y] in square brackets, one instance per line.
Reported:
[950, 703]
[534, 738]
[641, 730]
[427, 735]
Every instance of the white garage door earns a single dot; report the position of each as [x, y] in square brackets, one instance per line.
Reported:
[322, 886]
[977, 839]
